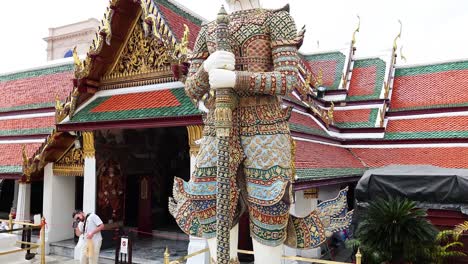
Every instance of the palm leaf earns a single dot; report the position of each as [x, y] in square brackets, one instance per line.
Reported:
[459, 229]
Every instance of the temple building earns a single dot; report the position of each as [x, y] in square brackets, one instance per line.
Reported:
[109, 133]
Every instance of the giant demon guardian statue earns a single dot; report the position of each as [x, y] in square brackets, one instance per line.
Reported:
[240, 67]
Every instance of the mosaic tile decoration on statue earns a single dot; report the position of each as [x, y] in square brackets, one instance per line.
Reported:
[154, 104]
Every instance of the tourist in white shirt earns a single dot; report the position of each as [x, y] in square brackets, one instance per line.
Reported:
[90, 226]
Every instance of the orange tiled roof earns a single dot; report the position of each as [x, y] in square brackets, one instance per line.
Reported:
[11, 160]
[27, 126]
[356, 118]
[331, 64]
[35, 89]
[316, 161]
[367, 79]
[176, 18]
[453, 157]
[434, 127]
[430, 86]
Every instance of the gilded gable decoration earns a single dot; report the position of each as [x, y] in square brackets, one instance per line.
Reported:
[150, 49]
[104, 34]
[141, 55]
[71, 164]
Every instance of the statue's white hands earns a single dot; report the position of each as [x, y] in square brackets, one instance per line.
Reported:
[220, 60]
[220, 78]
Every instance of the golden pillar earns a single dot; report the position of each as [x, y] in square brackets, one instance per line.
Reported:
[194, 133]
[88, 144]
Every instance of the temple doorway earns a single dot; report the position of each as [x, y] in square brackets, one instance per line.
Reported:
[135, 173]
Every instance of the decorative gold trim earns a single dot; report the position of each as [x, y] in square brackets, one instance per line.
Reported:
[124, 44]
[356, 30]
[194, 133]
[382, 115]
[395, 46]
[70, 164]
[62, 110]
[72, 171]
[26, 167]
[386, 90]
[138, 82]
[401, 54]
[311, 193]
[88, 144]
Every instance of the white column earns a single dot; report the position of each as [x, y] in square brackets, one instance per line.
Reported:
[196, 243]
[58, 205]
[23, 208]
[89, 185]
[15, 195]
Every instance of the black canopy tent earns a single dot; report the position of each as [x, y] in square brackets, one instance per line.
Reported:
[431, 187]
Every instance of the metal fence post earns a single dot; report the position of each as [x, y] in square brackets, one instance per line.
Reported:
[10, 222]
[358, 256]
[166, 256]
[43, 224]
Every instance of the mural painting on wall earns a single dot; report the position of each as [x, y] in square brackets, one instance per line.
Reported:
[111, 191]
[111, 187]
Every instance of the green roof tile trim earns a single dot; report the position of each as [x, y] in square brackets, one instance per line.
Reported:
[27, 107]
[327, 173]
[28, 131]
[179, 11]
[427, 69]
[186, 108]
[379, 78]
[427, 107]
[371, 123]
[11, 169]
[426, 135]
[36, 73]
[336, 56]
[307, 130]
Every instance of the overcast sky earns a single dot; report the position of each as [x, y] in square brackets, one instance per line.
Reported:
[433, 30]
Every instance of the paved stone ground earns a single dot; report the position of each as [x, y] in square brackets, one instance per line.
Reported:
[151, 251]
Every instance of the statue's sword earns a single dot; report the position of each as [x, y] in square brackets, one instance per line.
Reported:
[225, 103]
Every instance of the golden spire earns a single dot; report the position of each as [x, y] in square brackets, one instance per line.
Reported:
[395, 46]
[401, 54]
[356, 30]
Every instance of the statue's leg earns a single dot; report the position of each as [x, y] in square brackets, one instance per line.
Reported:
[267, 254]
[234, 241]
[267, 170]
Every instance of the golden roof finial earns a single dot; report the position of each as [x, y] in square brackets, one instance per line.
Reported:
[401, 54]
[76, 59]
[356, 30]
[395, 46]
